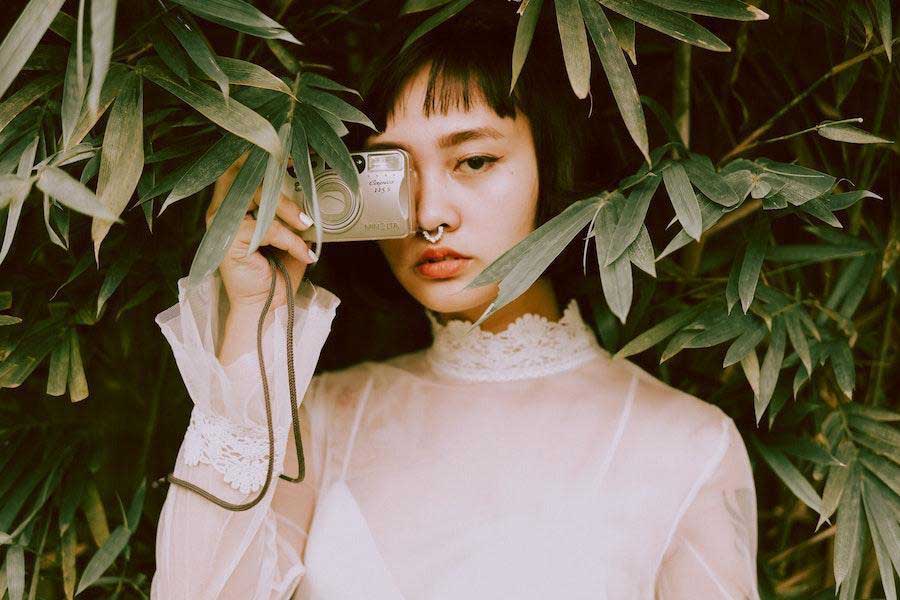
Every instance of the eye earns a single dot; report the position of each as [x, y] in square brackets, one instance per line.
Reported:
[477, 163]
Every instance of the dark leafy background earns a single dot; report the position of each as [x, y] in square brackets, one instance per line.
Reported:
[765, 131]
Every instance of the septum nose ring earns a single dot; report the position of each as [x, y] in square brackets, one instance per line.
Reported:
[433, 238]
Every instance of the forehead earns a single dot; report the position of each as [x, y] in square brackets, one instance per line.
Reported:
[415, 119]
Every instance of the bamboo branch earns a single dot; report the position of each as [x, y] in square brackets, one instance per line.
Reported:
[835, 70]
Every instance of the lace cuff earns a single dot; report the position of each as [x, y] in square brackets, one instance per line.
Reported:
[240, 454]
[228, 428]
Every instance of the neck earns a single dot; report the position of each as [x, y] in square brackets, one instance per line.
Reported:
[538, 299]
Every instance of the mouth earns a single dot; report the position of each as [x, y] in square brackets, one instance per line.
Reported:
[441, 263]
[443, 268]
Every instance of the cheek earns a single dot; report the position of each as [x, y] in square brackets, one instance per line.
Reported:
[391, 250]
[512, 205]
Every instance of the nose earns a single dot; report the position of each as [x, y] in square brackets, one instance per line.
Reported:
[434, 201]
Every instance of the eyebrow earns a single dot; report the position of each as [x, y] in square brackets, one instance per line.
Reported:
[446, 141]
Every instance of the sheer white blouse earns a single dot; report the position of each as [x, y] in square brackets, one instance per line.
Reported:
[527, 464]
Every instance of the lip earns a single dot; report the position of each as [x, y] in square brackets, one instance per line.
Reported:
[443, 269]
[433, 253]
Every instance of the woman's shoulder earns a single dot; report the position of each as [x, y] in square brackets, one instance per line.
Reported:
[676, 419]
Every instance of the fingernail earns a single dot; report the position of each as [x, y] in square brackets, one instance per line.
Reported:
[304, 218]
[312, 256]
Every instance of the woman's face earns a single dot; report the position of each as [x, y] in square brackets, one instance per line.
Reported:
[477, 175]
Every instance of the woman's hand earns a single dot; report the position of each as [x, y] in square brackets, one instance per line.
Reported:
[247, 278]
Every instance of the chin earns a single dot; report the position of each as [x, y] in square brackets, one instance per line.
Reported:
[449, 295]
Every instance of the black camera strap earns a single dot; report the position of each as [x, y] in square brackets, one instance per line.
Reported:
[274, 261]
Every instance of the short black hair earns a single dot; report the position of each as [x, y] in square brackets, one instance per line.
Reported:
[472, 47]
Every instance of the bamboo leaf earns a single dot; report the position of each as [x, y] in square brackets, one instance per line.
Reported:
[887, 471]
[872, 412]
[116, 273]
[77, 382]
[103, 20]
[521, 265]
[798, 339]
[231, 116]
[414, 6]
[771, 366]
[524, 35]
[722, 9]
[224, 225]
[834, 202]
[848, 133]
[837, 481]
[74, 91]
[198, 49]
[617, 72]
[877, 430]
[790, 476]
[665, 21]
[745, 343]
[880, 519]
[640, 252]
[23, 37]
[72, 193]
[322, 138]
[241, 72]
[731, 287]
[122, 157]
[750, 367]
[703, 175]
[240, 16]
[302, 165]
[320, 81]
[58, 374]
[15, 571]
[846, 540]
[816, 207]
[67, 545]
[112, 85]
[18, 195]
[436, 19]
[207, 168]
[24, 97]
[335, 106]
[271, 188]
[661, 331]
[624, 29]
[615, 278]
[684, 201]
[752, 263]
[842, 363]
[883, 14]
[634, 211]
[724, 328]
[576, 55]
[170, 51]
[104, 558]
[800, 183]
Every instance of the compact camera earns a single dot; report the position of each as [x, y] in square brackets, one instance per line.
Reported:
[384, 207]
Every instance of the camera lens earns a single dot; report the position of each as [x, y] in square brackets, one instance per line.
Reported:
[338, 206]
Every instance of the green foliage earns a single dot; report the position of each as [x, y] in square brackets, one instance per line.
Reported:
[106, 108]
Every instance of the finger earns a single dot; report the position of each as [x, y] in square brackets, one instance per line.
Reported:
[283, 238]
[290, 213]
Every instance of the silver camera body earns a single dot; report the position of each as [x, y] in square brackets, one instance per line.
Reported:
[384, 207]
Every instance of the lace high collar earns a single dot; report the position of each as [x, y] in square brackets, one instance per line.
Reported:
[531, 346]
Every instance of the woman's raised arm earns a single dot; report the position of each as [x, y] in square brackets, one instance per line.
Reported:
[204, 550]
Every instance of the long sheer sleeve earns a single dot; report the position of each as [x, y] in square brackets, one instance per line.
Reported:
[204, 550]
[712, 553]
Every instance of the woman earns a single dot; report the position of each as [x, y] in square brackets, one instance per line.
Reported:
[520, 461]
